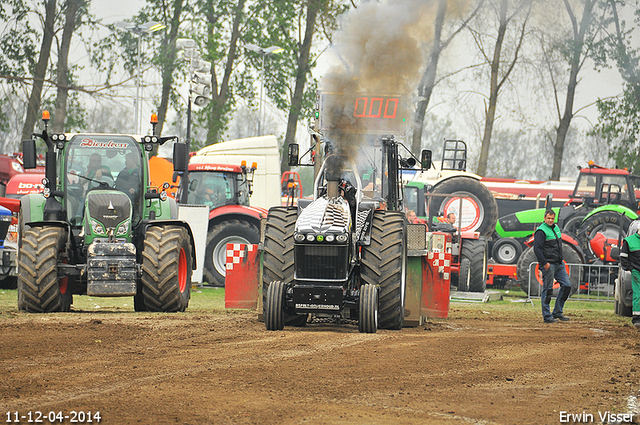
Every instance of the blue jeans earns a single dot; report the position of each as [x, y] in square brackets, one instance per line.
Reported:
[558, 272]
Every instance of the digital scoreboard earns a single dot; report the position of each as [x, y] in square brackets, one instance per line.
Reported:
[362, 113]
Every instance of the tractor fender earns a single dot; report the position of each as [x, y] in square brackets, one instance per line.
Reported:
[616, 208]
[32, 206]
[145, 224]
[245, 212]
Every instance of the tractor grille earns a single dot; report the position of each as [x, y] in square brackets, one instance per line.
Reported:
[110, 208]
[330, 262]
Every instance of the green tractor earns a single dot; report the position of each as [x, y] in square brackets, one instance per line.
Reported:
[603, 204]
[100, 228]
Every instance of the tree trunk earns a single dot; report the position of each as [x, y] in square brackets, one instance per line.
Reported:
[301, 79]
[41, 69]
[493, 95]
[427, 82]
[58, 120]
[220, 93]
[168, 46]
[565, 121]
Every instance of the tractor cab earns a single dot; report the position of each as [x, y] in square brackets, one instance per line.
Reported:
[598, 186]
[99, 164]
[216, 185]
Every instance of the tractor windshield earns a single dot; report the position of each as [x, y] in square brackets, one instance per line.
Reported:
[101, 161]
[215, 189]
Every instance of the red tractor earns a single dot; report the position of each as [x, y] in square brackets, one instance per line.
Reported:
[226, 189]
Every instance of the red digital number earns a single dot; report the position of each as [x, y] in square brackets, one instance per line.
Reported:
[375, 107]
[362, 114]
[395, 108]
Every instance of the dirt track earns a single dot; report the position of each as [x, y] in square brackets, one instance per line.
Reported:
[205, 368]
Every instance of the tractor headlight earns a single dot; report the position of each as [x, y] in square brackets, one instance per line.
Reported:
[342, 237]
[97, 227]
[298, 237]
[311, 238]
[330, 238]
[123, 228]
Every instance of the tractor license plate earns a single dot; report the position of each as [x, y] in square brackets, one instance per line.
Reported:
[317, 299]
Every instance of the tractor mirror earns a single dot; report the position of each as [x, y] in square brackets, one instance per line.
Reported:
[180, 157]
[425, 161]
[294, 151]
[29, 154]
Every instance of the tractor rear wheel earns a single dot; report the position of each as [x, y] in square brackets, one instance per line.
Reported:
[277, 256]
[166, 269]
[384, 265]
[528, 265]
[598, 230]
[215, 257]
[40, 290]
[479, 207]
[476, 251]
[274, 307]
[368, 309]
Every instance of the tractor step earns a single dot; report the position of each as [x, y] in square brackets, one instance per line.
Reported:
[475, 297]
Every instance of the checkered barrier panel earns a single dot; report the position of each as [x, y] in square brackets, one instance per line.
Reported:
[241, 280]
[236, 253]
[441, 261]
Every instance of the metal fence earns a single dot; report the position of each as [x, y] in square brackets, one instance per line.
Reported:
[591, 282]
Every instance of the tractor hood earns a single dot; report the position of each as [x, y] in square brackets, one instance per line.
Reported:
[108, 213]
[325, 215]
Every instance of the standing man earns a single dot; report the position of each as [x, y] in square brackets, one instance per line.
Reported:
[630, 260]
[547, 245]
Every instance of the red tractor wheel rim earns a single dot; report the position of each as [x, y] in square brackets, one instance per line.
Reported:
[64, 282]
[182, 270]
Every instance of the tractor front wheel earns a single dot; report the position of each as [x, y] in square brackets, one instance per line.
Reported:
[166, 269]
[40, 290]
[274, 307]
[368, 309]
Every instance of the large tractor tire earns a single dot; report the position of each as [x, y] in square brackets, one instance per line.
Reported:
[274, 307]
[479, 209]
[40, 290]
[277, 256]
[600, 229]
[166, 269]
[384, 265]
[525, 267]
[572, 224]
[368, 309]
[215, 257]
[475, 250]
[623, 281]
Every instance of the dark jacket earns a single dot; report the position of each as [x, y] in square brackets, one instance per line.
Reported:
[129, 179]
[630, 253]
[547, 244]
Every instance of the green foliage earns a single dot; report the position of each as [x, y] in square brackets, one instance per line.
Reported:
[619, 125]
[17, 39]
